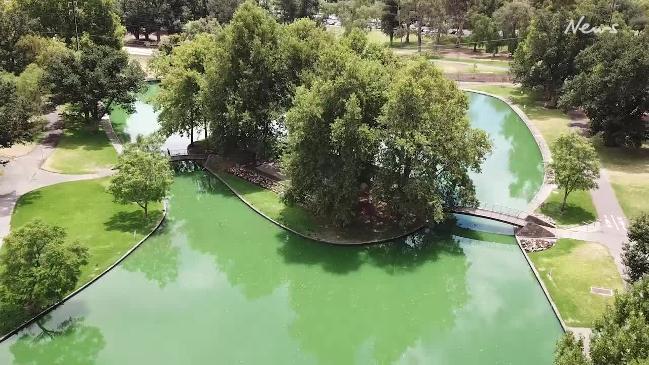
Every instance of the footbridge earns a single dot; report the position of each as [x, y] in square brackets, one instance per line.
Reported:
[501, 214]
[185, 155]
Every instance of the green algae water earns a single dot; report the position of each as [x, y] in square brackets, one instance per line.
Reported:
[218, 284]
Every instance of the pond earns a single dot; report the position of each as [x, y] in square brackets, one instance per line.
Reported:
[218, 284]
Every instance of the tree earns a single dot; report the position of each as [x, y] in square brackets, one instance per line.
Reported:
[222, 10]
[332, 134]
[179, 96]
[390, 18]
[94, 80]
[575, 164]
[247, 90]
[484, 32]
[513, 18]
[635, 253]
[96, 19]
[354, 13]
[458, 10]
[14, 24]
[37, 269]
[428, 146]
[612, 91]
[143, 177]
[545, 58]
[620, 336]
[16, 110]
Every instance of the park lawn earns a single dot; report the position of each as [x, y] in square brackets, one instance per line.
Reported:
[82, 150]
[299, 219]
[468, 66]
[569, 270]
[85, 209]
[550, 122]
[628, 170]
[579, 208]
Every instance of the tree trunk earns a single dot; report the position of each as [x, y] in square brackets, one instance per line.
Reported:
[565, 198]
[609, 139]
[408, 32]
[419, 36]
[391, 37]
[191, 138]
[475, 47]
[157, 35]
[136, 34]
[146, 210]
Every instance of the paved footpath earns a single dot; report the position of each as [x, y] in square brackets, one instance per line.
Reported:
[611, 226]
[24, 174]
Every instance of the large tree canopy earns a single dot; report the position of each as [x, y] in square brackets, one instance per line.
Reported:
[248, 82]
[612, 87]
[184, 78]
[37, 269]
[96, 19]
[94, 79]
[18, 107]
[428, 146]
[14, 24]
[332, 133]
[545, 58]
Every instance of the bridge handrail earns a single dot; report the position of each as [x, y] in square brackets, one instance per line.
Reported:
[498, 209]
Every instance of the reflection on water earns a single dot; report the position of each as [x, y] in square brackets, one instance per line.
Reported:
[221, 285]
[513, 173]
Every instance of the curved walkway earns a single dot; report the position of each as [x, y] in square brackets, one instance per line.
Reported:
[24, 174]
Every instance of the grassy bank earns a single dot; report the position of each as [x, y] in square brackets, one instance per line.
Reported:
[300, 220]
[88, 214]
[579, 208]
[569, 270]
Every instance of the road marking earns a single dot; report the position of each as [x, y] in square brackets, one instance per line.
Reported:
[615, 223]
[608, 222]
[621, 221]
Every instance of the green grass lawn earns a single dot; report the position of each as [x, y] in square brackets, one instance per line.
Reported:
[569, 270]
[82, 150]
[299, 219]
[628, 170]
[579, 208]
[87, 212]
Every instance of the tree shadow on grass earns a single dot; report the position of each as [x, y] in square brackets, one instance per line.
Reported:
[133, 221]
[572, 215]
[28, 199]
